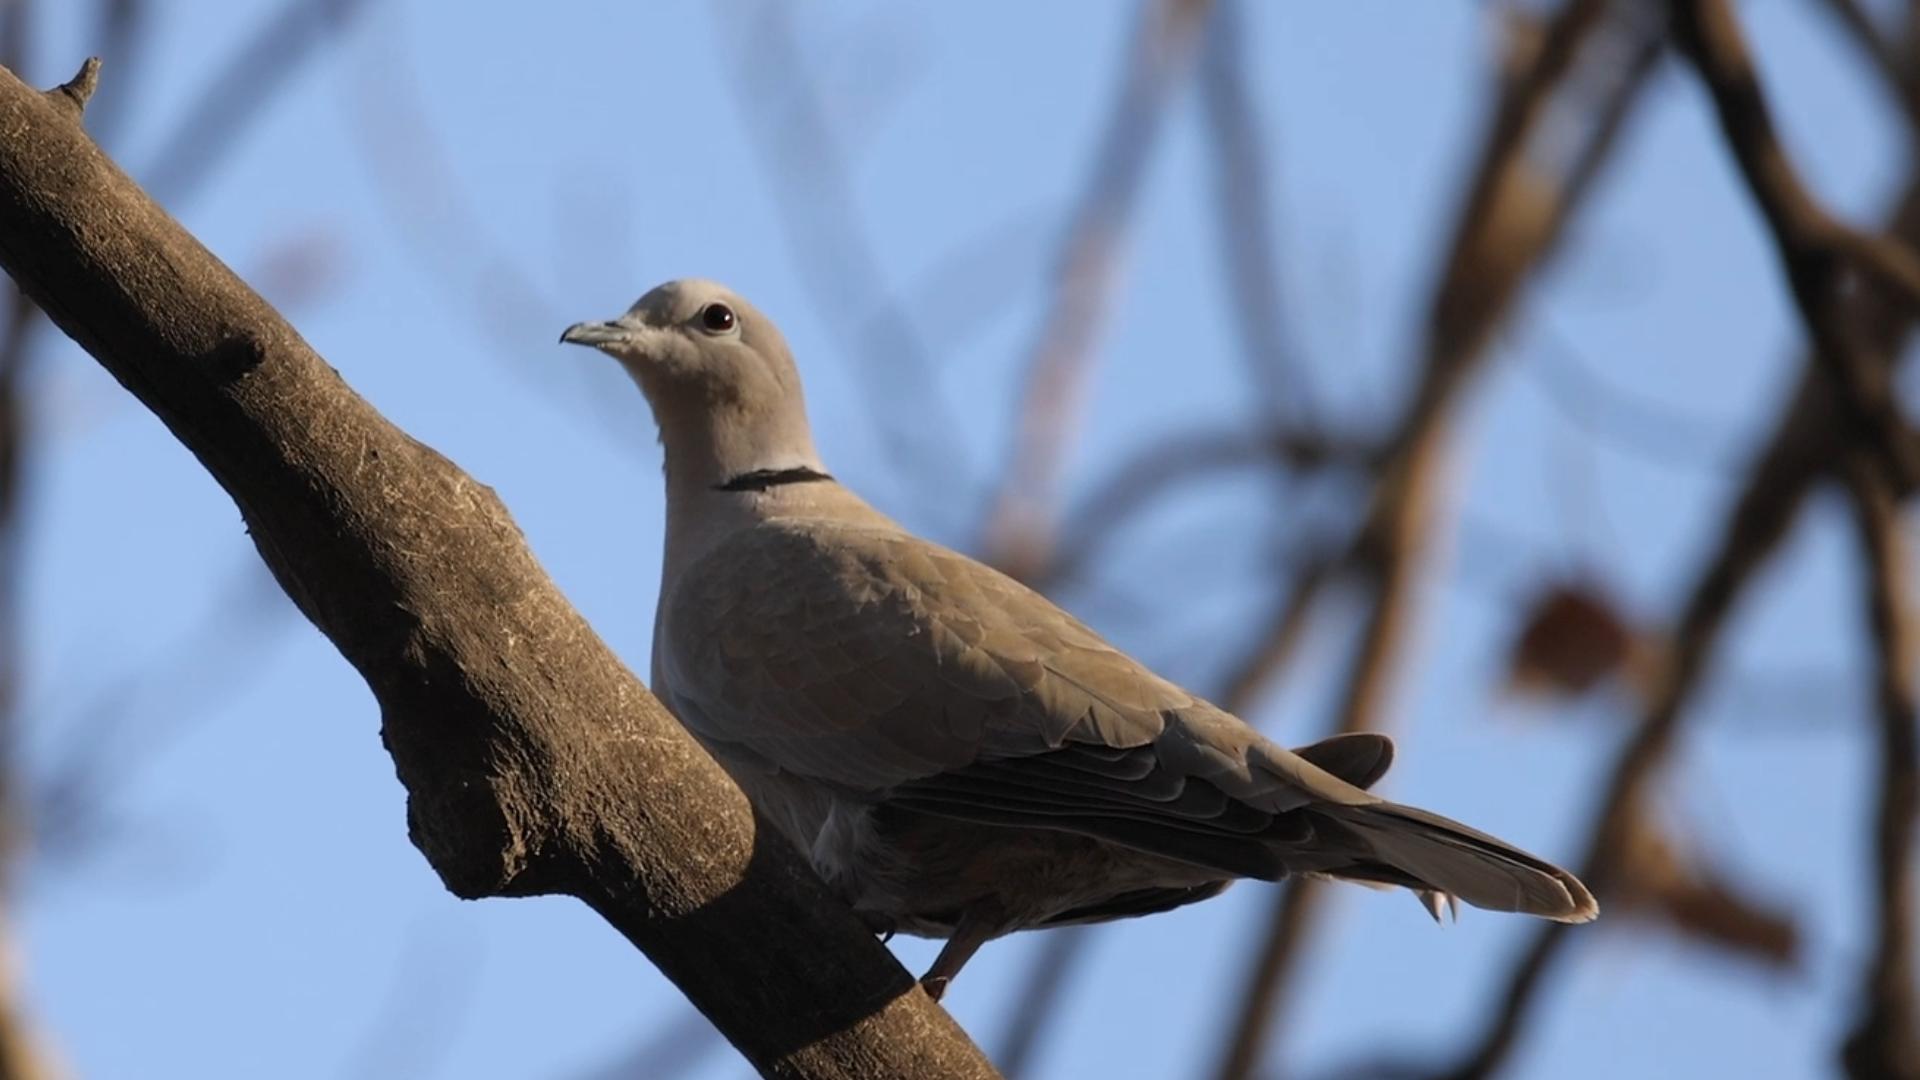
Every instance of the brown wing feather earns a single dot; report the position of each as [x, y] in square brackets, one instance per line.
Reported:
[893, 670]
[871, 660]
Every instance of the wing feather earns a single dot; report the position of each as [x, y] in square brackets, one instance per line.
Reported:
[893, 671]
[893, 668]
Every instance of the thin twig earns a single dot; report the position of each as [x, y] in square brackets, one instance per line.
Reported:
[1267, 656]
[1885, 1041]
[237, 93]
[1058, 958]
[1664, 434]
[1177, 464]
[121, 720]
[1018, 533]
[678, 1047]
[1243, 218]
[839, 262]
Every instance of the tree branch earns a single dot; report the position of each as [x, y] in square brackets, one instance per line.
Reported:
[1885, 1042]
[1243, 216]
[534, 762]
[74, 94]
[1895, 75]
[1804, 446]
[240, 87]
[1514, 214]
[1018, 533]
[1816, 250]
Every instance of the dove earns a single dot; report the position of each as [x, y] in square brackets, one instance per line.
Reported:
[956, 756]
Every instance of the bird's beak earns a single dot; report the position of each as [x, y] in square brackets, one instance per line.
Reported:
[597, 334]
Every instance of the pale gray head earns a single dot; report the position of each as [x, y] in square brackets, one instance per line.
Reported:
[718, 375]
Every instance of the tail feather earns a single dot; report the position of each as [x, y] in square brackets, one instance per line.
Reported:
[1447, 857]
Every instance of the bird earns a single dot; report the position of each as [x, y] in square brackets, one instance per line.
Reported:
[955, 755]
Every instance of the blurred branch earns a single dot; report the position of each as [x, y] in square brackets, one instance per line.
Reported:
[1899, 75]
[534, 762]
[1885, 1041]
[1058, 959]
[202, 141]
[253, 76]
[1779, 483]
[1271, 650]
[126, 717]
[1243, 218]
[1663, 434]
[16, 31]
[1175, 465]
[417, 183]
[1658, 881]
[430, 988]
[677, 1047]
[22, 1054]
[254, 73]
[1018, 532]
[1816, 250]
[1522, 194]
[836, 256]
[22, 1057]
[1804, 446]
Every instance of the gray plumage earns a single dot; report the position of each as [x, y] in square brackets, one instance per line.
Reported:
[959, 757]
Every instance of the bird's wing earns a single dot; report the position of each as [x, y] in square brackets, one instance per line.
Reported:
[892, 669]
[889, 667]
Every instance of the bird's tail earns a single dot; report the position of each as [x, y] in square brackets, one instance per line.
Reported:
[1439, 858]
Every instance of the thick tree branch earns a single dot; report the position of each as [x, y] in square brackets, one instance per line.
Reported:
[534, 762]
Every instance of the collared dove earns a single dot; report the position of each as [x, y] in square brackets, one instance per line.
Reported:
[958, 757]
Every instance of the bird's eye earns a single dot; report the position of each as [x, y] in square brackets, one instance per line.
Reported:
[717, 318]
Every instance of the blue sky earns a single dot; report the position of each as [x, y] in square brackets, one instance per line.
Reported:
[469, 180]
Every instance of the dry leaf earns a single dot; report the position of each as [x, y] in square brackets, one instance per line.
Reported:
[1573, 638]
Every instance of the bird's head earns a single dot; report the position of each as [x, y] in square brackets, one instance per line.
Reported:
[722, 384]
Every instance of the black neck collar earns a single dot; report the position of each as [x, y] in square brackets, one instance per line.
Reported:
[762, 479]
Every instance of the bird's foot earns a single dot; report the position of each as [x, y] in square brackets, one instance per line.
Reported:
[979, 924]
